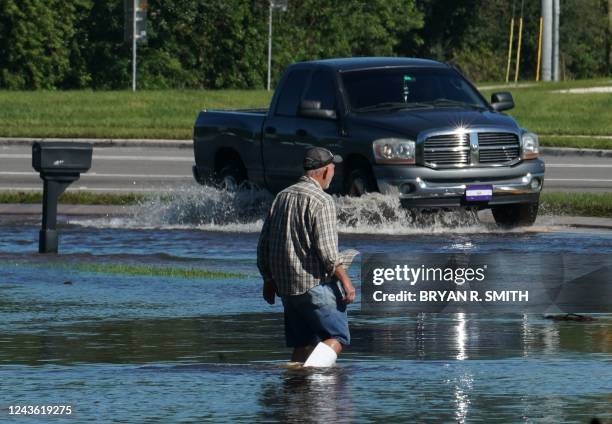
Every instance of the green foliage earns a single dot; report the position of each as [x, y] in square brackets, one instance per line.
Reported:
[55, 44]
[106, 54]
[583, 38]
[36, 42]
[313, 29]
[475, 35]
[73, 197]
[154, 271]
[190, 43]
[579, 204]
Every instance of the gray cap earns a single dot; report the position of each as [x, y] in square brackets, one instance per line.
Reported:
[318, 157]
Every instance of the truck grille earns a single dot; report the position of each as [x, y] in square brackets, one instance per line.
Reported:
[447, 149]
[498, 147]
[450, 150]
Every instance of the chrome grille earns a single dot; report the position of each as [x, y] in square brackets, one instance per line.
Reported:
[447, 150]
[498, 147]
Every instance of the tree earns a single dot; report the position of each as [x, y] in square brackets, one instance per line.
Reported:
[35, 42]
[583, 28]
[313, 29]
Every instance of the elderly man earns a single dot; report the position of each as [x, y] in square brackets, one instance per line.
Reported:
[298, 258]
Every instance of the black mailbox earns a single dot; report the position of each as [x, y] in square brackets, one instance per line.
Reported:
[59, 164]
[56, 158]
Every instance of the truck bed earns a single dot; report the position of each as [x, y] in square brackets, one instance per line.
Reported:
[217, 131]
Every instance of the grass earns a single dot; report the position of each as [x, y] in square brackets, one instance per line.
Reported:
[170, 114]
[154, 271]
[581, 204]
[549, 114]
[79, 198]
[576, 142]
[166, 114]
[577, 204]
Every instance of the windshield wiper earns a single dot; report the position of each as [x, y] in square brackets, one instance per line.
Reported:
[392, 106]
[448, 102]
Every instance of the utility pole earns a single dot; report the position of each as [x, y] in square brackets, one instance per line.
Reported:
[135, 29]
[270, 45]
[555, 56]
[547, 18]
[274, 4]
[609, 35]
[134, 46]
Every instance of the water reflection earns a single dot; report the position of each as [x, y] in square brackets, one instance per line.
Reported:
[254, 337]
[461, 337]
[463, 390]
[309, 396]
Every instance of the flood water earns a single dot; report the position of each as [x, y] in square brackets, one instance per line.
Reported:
[134, 348]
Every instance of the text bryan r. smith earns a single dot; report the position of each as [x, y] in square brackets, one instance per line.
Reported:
[453, 296]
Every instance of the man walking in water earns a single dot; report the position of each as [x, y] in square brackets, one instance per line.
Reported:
[297, 256]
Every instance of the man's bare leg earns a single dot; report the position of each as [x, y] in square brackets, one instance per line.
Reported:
[334, 344]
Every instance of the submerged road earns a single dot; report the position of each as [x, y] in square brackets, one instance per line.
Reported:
[147, 169]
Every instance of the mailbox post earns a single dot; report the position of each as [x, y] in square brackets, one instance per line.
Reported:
[59, 164]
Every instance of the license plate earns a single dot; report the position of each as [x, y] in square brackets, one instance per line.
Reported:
[478, 193]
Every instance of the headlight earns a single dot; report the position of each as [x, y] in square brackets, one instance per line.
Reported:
[394, 150]
[531, 145]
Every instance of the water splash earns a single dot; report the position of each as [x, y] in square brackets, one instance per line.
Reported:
[204, 206]
[382, 213]
[243, 210]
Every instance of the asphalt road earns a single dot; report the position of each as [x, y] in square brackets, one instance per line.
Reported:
[145, 169]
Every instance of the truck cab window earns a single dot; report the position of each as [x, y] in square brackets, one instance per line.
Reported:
[368, 88]
[322, 89]
[291, 93]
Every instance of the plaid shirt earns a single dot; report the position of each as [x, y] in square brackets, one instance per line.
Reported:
[298, 244]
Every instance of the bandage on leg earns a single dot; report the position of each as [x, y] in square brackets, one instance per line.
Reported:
[321, 356]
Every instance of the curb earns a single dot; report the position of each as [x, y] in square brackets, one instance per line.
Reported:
[101, 142]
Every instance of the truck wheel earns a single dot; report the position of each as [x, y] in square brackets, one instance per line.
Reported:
[231, 176]
[509, 216]
[360, 182]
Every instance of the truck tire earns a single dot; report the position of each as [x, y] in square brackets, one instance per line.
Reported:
[231, 175]
[520, 215]
[359, 182]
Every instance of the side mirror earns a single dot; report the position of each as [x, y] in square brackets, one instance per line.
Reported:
[312, 109]
[502, 101]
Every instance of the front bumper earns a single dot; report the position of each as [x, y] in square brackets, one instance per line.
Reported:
[422, 187]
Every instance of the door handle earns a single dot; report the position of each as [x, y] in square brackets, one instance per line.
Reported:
[270, 130]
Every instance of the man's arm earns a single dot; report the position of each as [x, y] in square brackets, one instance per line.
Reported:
[263, 263]
[325, 238]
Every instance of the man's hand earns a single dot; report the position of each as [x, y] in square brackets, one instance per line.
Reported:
[349, 291]
[269, 291]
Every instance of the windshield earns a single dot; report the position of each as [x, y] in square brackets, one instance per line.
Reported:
[408, 88]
